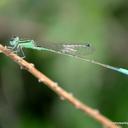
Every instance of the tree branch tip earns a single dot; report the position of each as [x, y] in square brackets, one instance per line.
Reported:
[32, 64]
[54, 84]
[71, 94]
[62, 98]
[96, 111]
[41, 80]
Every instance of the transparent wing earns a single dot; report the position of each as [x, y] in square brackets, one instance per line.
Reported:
[77, 50]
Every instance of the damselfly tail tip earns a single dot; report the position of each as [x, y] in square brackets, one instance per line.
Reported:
[124, 71]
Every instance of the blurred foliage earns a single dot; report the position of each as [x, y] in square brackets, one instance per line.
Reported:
[26, 103]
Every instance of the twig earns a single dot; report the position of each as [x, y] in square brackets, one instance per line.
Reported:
[64, 95]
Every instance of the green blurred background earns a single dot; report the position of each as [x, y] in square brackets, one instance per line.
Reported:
[25, 103]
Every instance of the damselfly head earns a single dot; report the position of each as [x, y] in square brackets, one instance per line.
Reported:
[14, 41]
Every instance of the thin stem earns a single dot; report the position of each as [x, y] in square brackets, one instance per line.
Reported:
[57, 89]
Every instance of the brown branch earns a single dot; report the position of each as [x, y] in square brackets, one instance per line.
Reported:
[57, 89]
